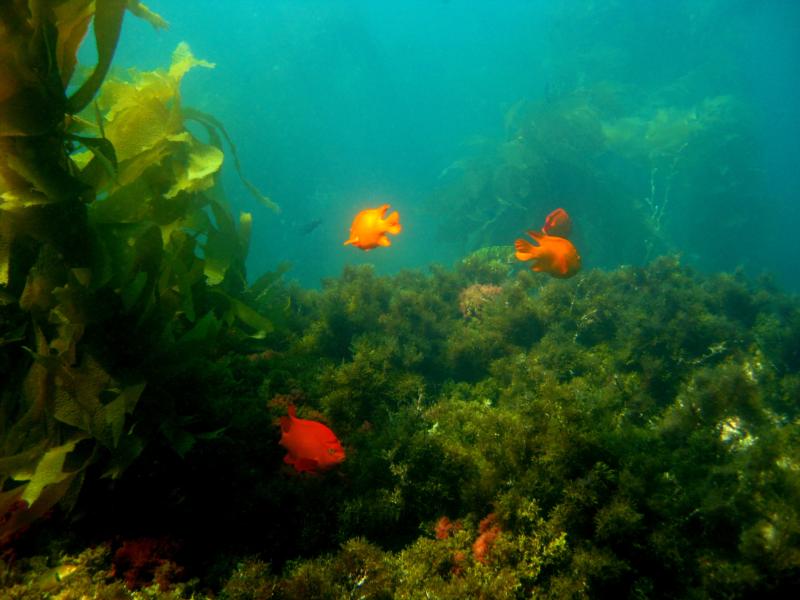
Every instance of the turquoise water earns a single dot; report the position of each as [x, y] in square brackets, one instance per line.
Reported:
[338, 106]
[475, 431]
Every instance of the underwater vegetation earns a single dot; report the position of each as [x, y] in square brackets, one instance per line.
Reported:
[474, 431]
[120, 262]
[625, 433]
[623, 162]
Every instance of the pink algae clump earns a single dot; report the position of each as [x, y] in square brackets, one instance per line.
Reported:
[473, 299]
[142, 561]
[444, 528]
[488, 530]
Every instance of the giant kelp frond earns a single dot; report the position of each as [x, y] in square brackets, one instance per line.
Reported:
[622, 159]
[213, 125]
[165, 177]
[143, 12]
[107, 25]
[38, 55]
[122, 258]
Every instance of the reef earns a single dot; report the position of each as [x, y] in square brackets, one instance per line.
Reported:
[629, 432]
[623, 433]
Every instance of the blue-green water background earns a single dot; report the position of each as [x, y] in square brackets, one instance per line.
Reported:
[340, 105]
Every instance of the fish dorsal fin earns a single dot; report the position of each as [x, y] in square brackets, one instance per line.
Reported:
[286, 422]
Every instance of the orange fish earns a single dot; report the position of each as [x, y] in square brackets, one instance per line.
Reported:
[312, 447]
[554, 255]
[369, 228]
[557, 223]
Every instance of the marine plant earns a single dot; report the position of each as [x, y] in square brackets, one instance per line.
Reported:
[639, 440]
[626, 161]
[625, 433]
[120, 263]
[642, 424]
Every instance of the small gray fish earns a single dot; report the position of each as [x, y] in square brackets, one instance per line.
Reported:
[309, 227]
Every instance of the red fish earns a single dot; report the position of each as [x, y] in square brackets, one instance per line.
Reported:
[558, 223]
[369, 228]
[554, 255]
[312, 446]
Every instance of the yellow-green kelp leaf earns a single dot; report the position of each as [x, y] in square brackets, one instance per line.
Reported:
[205, 330]
[21, 462]
[226, 246]
[18, 519]
[77, 397]
[140, 119]
[72, 18]
[197, 172]
[142, 114]
[213, 126]
[88, 399]
[179, 438]
[183, 60]
[245, 230]
[260, 325]
[102, 150]
[143, 12]
[128, 449]
[239, 311]
[6, 236]
[49, 471]
[265, 285]
[132, 290]
[107, 25]
[115, 411]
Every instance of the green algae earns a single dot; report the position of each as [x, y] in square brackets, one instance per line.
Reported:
[643, 442]
[120, 261]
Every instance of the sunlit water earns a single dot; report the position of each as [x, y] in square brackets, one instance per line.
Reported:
[338, 106]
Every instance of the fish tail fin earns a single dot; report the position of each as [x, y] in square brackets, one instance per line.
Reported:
[525, 250]
[393, 223]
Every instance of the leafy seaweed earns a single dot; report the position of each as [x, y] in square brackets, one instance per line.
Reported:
[116, 249]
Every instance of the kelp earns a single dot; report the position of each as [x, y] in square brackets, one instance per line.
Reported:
[118, 254]
[38, 56]
[552, 154]
[620, 159]
[215, 127]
